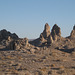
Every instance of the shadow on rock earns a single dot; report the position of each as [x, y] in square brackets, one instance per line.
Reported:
[66, 50]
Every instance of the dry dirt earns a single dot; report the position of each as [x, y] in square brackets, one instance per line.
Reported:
[56, 59]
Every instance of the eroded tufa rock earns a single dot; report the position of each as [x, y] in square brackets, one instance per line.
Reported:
[4, 34]
[74, 27]
[50, 39]
[56, 30]
[73, 32]
[46, 37]
[19, 44]
[46, 31]
[54, 36]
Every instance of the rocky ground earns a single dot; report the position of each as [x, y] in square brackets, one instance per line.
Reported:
[43, 61]
[50, 54]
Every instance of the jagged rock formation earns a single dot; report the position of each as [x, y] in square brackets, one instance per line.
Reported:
[4, 34]
[48, 37]
[12, 41]
[46, 31]
[18, 44]
[73, 32]
[54, 36]
[56, 30]
[45, 36]
[6, 38]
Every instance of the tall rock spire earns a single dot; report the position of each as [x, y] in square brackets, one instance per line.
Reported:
[57, 30]
[46, 31]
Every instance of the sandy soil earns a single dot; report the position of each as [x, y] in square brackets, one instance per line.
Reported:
[56, 59]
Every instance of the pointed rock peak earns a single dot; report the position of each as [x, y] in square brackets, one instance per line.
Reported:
[56, 26]
[74, 27]
[4, 31]
[46, 24]
[56, 29]
[73, 32]
[45, 34]
[47, 27]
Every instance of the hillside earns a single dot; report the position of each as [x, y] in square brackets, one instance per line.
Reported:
[49, 54]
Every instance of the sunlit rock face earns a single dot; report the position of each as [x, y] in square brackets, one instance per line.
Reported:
[46, 31]
[48, 37]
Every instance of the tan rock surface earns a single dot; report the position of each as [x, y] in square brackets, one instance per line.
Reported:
[58, 58]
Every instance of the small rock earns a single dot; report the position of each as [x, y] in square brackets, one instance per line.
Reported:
[32, 50]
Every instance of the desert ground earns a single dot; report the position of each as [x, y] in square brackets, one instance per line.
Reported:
[51, 57]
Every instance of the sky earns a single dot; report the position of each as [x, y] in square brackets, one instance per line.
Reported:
[27, 18]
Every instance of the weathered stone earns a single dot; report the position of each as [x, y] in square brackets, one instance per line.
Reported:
[9, 38]
[4, 34]
[54, 36]
[14, 36]
[37, 48]
[45, 34]
[46, 31]
[32, 50]
[73, 32]
[26, 41]
[56, 30]
[18, 44]
[50, 39]
[74, 27]
[41, 38]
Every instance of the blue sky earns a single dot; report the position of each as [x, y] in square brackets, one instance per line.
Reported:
[27, 17]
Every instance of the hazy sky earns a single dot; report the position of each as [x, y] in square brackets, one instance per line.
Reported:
[27, 17]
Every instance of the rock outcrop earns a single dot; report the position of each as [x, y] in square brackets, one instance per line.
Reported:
[46, 31]
[56, 30]
[54, 36]
[48, 37]
[6, 38]
[4, 34]
[45, 36]
[19, 44]
[73, 32]
[12, 41]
